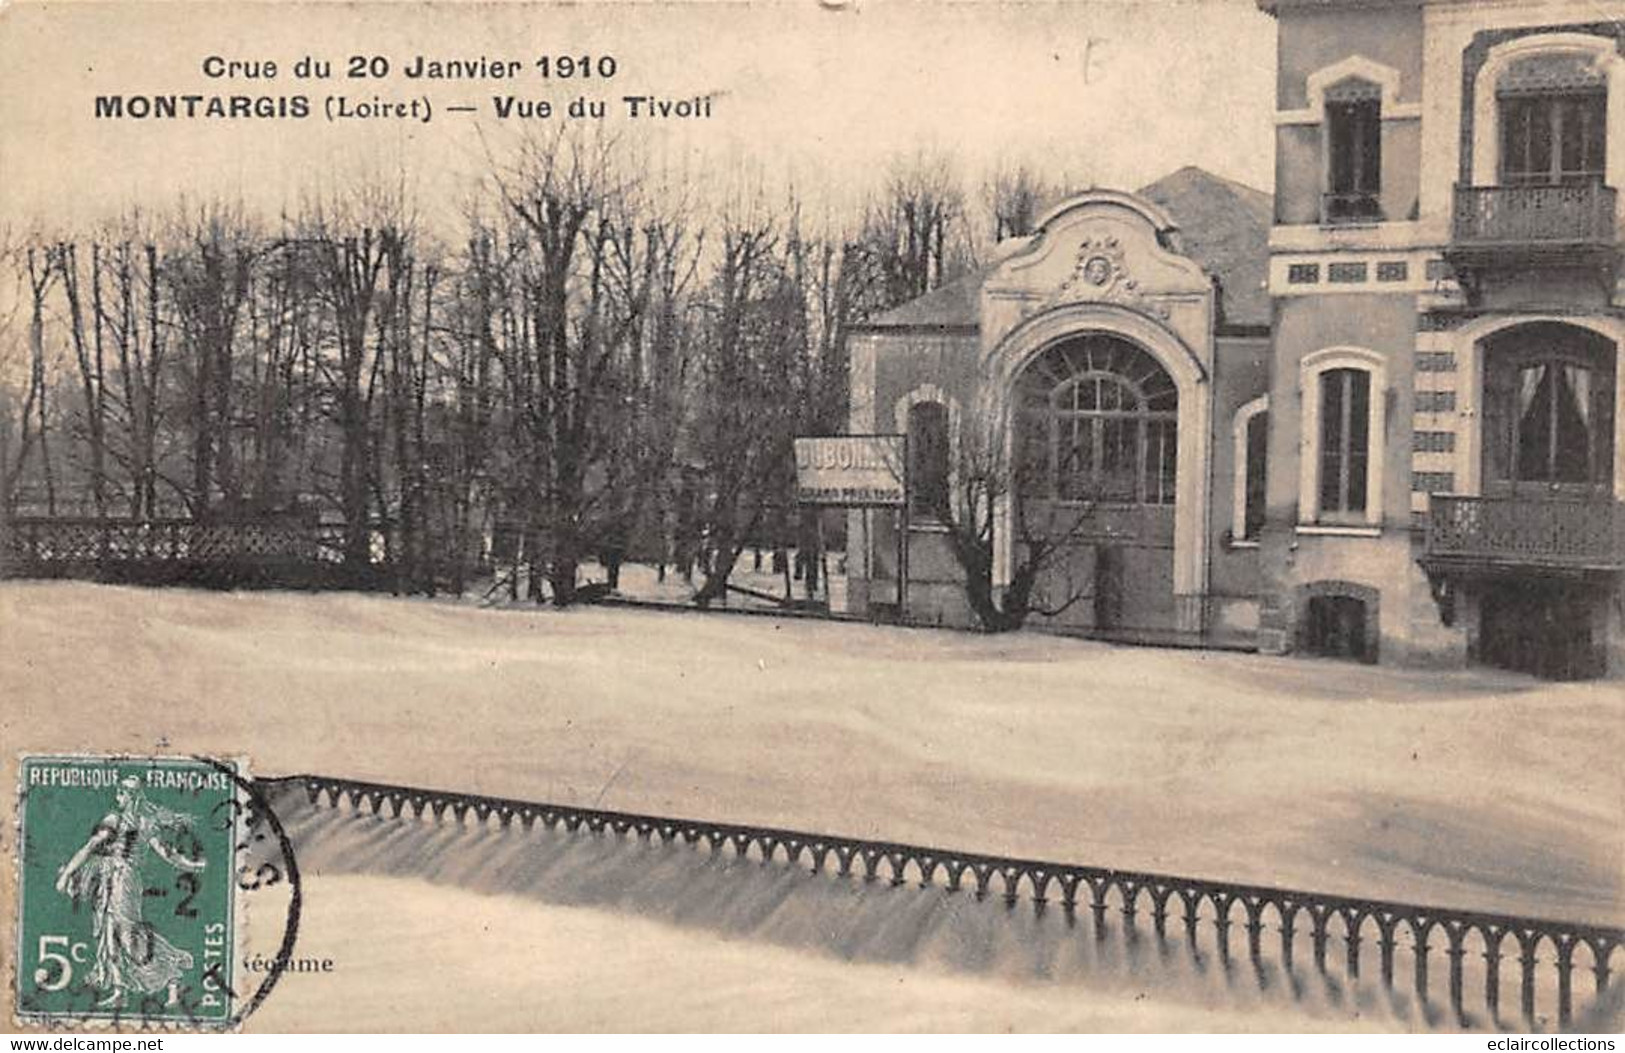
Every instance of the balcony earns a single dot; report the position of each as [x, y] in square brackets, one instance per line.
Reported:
[1551, 217]
[1564, 232]
[1508, 533]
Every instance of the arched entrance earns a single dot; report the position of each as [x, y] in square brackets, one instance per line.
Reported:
[1339, 619]
[1074, 326]
[1106, 265]
[1095, 470]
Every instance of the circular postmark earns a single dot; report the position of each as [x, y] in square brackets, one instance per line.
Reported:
[257, 873]
[136, 878]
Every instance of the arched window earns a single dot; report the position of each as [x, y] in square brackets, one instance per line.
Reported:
[1548, 408]
[1353, 151]
[1250, 436]
[1344, 417]
[1099, 422]
[1548, 109]
[1554, 115]
[928, 458]
[1257, 455]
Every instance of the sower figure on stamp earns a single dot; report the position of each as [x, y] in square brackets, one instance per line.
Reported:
[106, 872]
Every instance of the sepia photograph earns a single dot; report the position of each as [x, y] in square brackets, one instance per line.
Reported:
[808, 516]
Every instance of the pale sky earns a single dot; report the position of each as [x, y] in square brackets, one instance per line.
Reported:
[1110, 93]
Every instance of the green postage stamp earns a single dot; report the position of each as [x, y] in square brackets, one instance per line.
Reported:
[126, 889]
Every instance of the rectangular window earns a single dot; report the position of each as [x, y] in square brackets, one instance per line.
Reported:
[1257, 451]
[1346, 273]
[1552, 138]
[1303, 273]
[928, 458]
[1117, 440]
[1161, 461]
[1354, 160]
[1345, 439]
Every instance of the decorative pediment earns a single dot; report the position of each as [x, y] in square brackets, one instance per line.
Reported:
[1101, 275]
[1105, 248]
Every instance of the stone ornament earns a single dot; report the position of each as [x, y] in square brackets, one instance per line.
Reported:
[1100, 276]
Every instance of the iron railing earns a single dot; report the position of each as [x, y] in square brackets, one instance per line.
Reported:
[1359, 206]
[1577, 533]
[1563, 214]
[1201, 904]
[277, 551]
[88, 539]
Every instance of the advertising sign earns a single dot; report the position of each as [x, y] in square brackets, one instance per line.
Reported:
[850, 470]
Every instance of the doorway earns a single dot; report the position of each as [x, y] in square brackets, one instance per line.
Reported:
[1108, 587]
[1543, 628]
[1337, 627]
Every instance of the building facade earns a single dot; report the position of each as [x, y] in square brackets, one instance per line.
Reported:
[1109, 353]
[1445, 394]
[1376, 417]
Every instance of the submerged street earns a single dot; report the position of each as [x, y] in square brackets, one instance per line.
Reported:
[1471, 790]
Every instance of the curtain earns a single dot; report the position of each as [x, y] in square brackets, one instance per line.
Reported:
[1529, 379]
[1577, 385]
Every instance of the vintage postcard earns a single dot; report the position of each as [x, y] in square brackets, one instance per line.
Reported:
[857, 515]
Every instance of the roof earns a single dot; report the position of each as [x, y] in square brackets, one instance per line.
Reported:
[1223, 225]
[958, 304]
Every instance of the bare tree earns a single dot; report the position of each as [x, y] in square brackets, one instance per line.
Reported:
[209, 284]
[136, 398]
[915, 232]
[1013, 196]
[471, 366]
[752, 335]
[990, 483]
[92, 366]
[29, 419]
[41, 275]
[841, 288]
[583, 286]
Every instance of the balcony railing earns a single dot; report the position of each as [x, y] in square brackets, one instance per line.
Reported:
[1351, 207]
[1518, 531]
[1578, 214]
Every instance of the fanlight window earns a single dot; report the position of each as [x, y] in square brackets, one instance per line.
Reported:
[1099, 422]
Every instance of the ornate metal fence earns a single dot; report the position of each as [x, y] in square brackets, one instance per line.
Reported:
[1579, 213]
[272, 552]
[1548, 955]
[1559, 533]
